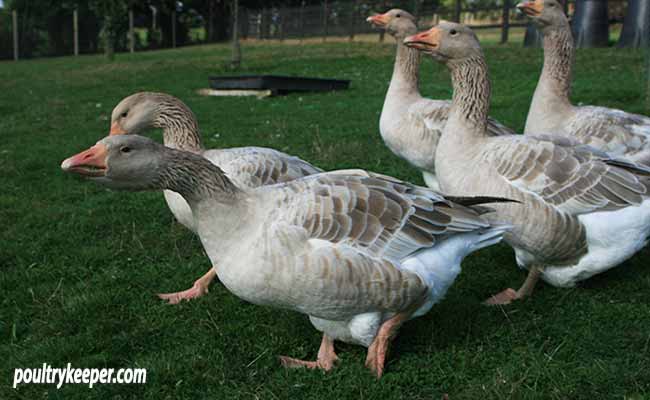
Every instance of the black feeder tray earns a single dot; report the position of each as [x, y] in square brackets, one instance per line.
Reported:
[268, 85]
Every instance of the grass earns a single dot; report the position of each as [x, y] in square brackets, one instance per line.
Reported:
[80, 264]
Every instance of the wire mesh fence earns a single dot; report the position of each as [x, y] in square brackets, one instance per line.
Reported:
[156, 28]
[348, 19]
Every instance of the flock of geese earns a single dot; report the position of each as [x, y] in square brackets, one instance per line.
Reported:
[361, 253]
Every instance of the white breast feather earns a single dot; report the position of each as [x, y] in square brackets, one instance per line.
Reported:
[612, 236]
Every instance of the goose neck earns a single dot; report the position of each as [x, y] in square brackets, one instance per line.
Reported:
[471, 99]
[555, 80]
[196, 179]
[180, 128]
[406, 74]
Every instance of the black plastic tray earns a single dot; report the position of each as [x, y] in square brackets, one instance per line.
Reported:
[277, 84]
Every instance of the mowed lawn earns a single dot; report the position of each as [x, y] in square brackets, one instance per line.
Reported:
[80, 265]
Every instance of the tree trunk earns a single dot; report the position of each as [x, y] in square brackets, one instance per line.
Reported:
[591, 23]
[636, 27]
[109, 38]
[211, 34]
[505, 21]
[533, 36]
[457, 11]
[57, 31]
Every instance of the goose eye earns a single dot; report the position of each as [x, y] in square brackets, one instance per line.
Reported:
[398, 15]
[453, 32]
[125, 149]
[124, 114]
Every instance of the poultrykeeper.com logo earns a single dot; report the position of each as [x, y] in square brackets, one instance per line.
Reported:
[78, 376]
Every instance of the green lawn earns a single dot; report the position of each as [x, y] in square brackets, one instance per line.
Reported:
[81, 264]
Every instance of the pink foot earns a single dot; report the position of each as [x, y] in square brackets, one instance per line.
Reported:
[503, 298]
[377, 357]
[326, 358]
[199, 289]
[289, 362]
[195, 291]
[378, 350]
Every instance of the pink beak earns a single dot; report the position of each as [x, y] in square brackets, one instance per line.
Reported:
[90, 163]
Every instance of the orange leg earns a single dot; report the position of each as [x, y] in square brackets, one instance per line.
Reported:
[526, 290]
[378, 350]
[325, 361]
[199, 288]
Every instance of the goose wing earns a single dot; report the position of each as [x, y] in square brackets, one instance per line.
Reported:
[257, 166]
[615, 131]
[574, 179]
[376, 214]
[338, 239]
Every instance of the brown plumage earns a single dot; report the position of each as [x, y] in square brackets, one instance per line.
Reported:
[573, 200]
[351, 249]
[551, 111]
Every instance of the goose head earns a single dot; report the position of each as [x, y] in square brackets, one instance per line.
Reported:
[544, 13]
[446, 41]
[145, 110]
[398, 23]
[125, 162]
[135, 114]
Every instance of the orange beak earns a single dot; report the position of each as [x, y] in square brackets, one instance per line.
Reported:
[90, 163]
[116, 129]
[379, 20]
[531, 8]
[425, 41]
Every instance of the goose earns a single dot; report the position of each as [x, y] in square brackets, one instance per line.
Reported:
[247, 166]
[617, 132]
[581, 213]
[410, 124]
[359, 253]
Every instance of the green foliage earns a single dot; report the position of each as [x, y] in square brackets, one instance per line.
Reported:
[42, 8]
[79, 265]
[115, 25]
[6, 33]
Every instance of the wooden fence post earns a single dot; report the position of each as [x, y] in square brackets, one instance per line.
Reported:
[14, 17]
[302, 21]
[382, 31]
[325, 20]
[283, 14]
[457, 11]
[265, 24]
[131, 33]
[416, 9]
[235, 61]
[174, 28]
[75, 31]
[353, 14]
[505, 21]
[647, 77]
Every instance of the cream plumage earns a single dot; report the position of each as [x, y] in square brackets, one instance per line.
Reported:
[410, 124]
[576, 201]
[551, 113]
[358, 253]
[246, 166]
